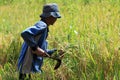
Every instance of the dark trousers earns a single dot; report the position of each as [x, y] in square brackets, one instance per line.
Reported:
[24, 76]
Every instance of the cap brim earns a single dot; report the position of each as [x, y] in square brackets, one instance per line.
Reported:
[54, 14]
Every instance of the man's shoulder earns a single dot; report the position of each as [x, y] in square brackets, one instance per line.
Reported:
[41, 24]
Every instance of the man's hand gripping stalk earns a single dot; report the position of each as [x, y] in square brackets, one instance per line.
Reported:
[58, 57]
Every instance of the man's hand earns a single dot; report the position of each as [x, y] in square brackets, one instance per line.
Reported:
[61, 53]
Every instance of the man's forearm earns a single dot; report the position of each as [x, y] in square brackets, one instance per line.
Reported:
[40, 52]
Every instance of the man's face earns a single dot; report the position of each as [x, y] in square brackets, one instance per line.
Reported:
[52, 20]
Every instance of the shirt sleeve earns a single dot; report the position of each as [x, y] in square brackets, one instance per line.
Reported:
[50, 52]
[29, 34]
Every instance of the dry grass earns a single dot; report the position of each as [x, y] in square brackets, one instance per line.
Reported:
[91, 28]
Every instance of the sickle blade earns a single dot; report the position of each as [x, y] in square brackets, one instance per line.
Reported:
[57, 64]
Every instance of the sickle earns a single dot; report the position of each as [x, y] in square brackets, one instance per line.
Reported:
[58, 59]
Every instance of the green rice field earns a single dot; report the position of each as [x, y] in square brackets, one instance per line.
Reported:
[91, 29]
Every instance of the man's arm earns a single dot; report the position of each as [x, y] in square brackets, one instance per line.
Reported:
[28, 36]
[40, 52]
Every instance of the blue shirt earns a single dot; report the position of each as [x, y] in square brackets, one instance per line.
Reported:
[29, 34]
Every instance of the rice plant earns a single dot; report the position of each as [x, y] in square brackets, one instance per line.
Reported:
[90, 27]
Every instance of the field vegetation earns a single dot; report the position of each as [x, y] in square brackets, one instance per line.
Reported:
[91, 29]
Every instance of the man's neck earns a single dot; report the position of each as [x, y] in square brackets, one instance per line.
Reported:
[46, 21]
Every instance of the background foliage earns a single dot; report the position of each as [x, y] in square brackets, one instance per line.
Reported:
[90, 27]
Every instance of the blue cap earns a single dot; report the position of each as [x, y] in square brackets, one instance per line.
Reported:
[50, 10]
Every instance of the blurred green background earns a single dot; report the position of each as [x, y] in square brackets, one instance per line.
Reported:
[90, 27]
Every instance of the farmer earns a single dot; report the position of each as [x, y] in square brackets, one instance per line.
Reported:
[34, 47]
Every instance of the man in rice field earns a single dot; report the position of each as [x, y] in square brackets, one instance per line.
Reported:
[34, 47]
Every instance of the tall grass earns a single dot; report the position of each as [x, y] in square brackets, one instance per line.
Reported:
[90, 27]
